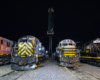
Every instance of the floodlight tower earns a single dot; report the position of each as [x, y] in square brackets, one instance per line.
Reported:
[50, 31]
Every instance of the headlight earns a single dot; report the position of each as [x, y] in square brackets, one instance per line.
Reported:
[39, 48]
[29, 55]
[15, 54]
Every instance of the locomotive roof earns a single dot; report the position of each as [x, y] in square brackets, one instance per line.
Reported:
[97, 40]
[6, 39]
[29, 36]
[67, 41]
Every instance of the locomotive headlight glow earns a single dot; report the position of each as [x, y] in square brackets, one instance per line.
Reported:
[39, 48]
[29, 55]
[15, 54]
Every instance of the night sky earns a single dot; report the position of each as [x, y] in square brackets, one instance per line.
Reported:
[79, 21]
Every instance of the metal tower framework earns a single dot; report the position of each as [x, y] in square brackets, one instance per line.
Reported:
[50, 31]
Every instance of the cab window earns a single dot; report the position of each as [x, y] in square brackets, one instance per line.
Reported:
[1, 41]
[24, 40]
[73, 44]
[8, 44]
[70, 43]
[65, 44]
[60, 45]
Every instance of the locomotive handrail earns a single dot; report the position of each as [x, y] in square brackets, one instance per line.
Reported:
[75, 51]
[98, 48]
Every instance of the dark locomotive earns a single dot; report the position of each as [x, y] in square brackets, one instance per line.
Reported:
[90, 52]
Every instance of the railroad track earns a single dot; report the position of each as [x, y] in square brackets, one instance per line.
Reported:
[12, 74]
[82, 74]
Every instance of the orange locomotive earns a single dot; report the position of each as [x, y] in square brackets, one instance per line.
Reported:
[5, 50]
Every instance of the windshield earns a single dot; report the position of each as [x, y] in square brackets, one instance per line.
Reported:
[65, 44]
[71, 44]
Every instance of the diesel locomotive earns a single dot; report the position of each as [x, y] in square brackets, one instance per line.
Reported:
[67, 54]
[25, 53]
[90, 52]
[5, 50]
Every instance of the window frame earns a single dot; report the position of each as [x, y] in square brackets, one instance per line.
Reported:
[66, 44]
[2, 41]
[8, 44]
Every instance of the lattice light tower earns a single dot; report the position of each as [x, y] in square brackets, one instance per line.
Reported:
[50, 31]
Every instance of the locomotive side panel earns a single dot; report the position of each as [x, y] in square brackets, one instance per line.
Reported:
[5, 50]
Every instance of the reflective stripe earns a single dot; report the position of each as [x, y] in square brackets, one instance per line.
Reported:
[68, 54]
[90, 57]
[1, 54]
[67, 47]
[22, 56]
[25, 48]
[39, 55]
[36, 55]
[24, 52]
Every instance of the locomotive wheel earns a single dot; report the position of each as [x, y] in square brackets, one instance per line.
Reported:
[7, 62]
[95, 63]
[92, 63]
[88, 62]
[59, 64]
[1, 63]
[83, 60]
[98, 64]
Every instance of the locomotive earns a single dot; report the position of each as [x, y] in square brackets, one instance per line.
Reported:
[90, 52]
[41, 55]
[25, 53]
[67, 54]
[5, 50]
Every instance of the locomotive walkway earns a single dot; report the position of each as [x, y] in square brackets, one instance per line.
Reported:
[47, 70]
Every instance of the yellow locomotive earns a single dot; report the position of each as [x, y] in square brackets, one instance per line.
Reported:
[25, 53]
[67, 54]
